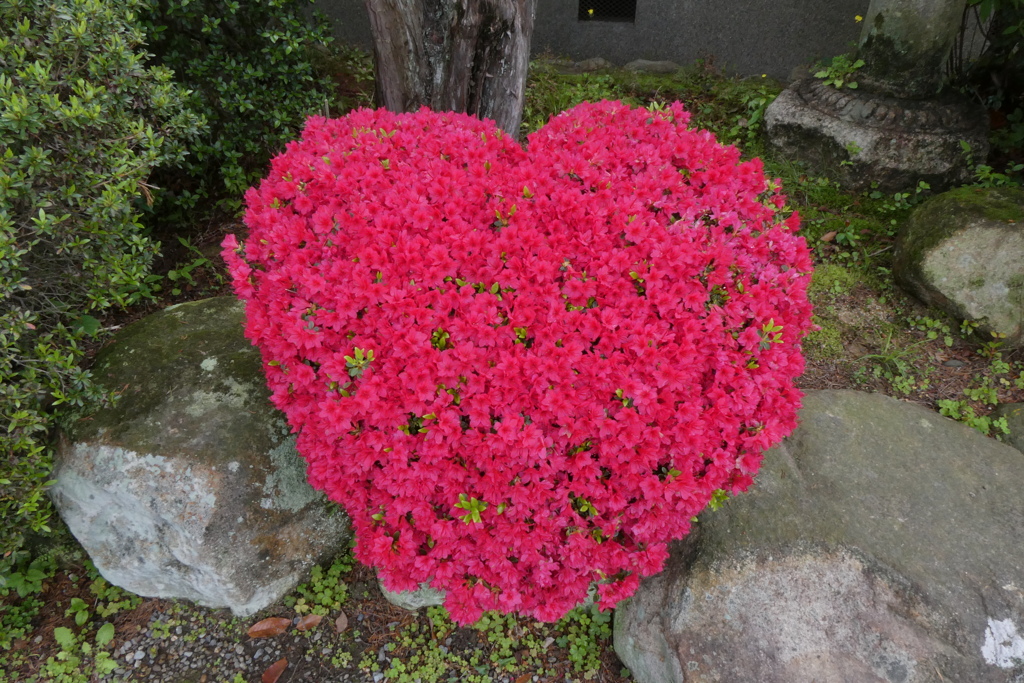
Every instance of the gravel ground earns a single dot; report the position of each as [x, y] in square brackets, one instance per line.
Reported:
[167, 641]
[218, 656]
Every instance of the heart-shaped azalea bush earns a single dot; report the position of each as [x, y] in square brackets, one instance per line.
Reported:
[524, 372]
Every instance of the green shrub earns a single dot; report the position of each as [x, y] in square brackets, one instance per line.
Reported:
[82, 123]
[251, 69]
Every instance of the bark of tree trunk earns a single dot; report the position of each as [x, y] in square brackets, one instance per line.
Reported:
[453, 55]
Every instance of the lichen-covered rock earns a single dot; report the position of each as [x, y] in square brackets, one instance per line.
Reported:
[1014, 414]
[963, 252]
[190, 485]
[881, 542]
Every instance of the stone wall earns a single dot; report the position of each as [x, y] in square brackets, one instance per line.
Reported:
[749, 37]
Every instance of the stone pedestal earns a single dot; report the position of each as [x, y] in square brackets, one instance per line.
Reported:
[895, 130]
[864, 140]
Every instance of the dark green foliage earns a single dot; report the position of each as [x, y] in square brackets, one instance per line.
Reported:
[995, 77]
[251, 69]
[82, 123]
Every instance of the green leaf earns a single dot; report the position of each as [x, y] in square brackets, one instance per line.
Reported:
[473, 506]
[64, 637]
[104, 663]
[718, 499]
[105, 634]
[86, 324]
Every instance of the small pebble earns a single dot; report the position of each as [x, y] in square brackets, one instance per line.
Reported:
[139, 654]
[239, 649]
[954, 363]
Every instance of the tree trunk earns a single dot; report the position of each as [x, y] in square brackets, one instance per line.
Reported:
[453, 55]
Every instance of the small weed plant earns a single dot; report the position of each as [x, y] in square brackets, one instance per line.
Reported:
[986, 176]
[325, 591]
[983, 394]
[840, 71]
[896, 364]
[83, 650]
[80, 658]
[513, 646]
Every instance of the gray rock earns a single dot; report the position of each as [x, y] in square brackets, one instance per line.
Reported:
[864, 141]
[881, 542]
[1014, 414]
[424, 596]
[648, 66]
[963, 252]
[190, 486]
[594, 64]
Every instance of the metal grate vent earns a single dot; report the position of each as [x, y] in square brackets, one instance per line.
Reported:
[607, 10]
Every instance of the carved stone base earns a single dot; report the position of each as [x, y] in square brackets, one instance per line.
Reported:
[865, 141]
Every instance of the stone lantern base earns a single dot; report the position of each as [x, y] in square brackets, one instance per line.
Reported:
[865, 141]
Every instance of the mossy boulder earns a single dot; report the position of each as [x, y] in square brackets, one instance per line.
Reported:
[963, 252]
[190, 485]
[880, 542]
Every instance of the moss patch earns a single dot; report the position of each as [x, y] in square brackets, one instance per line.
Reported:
[830, 278]
[1004, 204]
[825, 342]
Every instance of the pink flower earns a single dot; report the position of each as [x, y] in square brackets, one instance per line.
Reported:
[568, 344]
